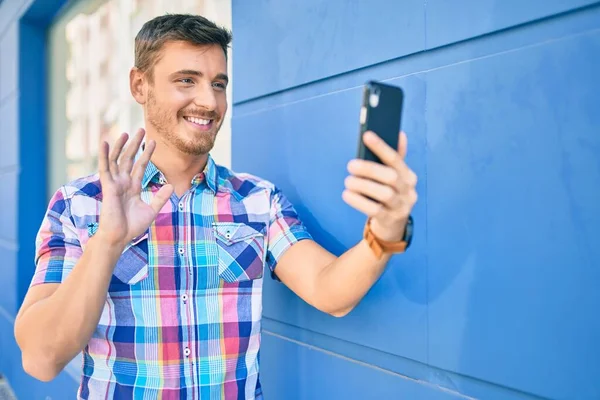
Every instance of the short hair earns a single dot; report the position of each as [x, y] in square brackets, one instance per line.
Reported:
[176, 27]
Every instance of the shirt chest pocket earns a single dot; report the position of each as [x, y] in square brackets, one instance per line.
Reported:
[132, 266]
[241, 250]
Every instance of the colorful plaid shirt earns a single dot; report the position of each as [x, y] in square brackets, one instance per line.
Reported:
[182, 317]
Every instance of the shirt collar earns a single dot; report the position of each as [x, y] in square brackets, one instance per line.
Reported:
[209, 174]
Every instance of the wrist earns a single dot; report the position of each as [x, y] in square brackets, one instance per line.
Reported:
[388, 234]
[389, 244]
[109, 241]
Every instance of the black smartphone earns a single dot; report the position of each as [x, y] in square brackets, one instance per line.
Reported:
[381, 113]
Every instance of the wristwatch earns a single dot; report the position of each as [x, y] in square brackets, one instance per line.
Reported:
[381, 247]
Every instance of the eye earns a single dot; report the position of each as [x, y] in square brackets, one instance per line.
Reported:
[186, 81]
[219, 86]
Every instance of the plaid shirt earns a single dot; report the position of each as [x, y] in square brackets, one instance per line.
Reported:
[182, 317]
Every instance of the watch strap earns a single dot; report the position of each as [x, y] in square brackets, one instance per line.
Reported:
[379, 246]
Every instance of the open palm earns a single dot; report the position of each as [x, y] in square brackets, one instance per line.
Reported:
[124, 214]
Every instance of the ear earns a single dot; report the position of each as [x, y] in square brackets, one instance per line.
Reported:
[137, 85]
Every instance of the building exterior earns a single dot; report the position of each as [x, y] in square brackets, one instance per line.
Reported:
[497, 297]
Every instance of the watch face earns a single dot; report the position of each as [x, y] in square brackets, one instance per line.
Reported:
[408, 233]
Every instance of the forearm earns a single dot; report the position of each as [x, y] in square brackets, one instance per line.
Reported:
[345, 281]
[54, 330]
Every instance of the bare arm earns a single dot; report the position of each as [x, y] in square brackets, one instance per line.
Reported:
[56, 321]
[336, 285]
[332, 285]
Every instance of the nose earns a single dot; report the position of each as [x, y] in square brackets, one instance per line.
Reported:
[205, 98]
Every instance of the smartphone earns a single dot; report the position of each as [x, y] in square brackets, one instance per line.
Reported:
[381, 113]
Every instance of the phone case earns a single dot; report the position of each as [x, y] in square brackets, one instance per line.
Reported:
[381, 112]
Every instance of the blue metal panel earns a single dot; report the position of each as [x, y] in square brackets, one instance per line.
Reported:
[308, 373]
[23, 172]
[8, 64]
[32, 178]
[41, 13]
[9, 200]
[315, 187]
[513, 209]
[503, 319]
[280, 44]
[9, 150]
[8, 283]
[451, 21]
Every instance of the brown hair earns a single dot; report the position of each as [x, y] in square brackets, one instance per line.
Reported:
[176, 27]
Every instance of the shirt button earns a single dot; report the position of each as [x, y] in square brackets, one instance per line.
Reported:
[187, 352]
[184, 298]
[162, 180]
[180, 206]
[181, 251]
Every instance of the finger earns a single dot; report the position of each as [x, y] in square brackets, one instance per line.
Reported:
[374, 171]
[402, 145]
[381, 149]
[103, 170]
[361, 203]
[128, 155]
[161, 197]
[408, 178]
[376, 191]
[114, 154]
[142, 162]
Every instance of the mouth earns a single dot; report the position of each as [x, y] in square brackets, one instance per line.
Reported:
[199, 123]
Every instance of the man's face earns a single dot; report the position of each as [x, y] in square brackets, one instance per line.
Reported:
[186, 100]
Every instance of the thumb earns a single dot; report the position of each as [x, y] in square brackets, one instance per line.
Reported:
[161, 197]
[402, 145]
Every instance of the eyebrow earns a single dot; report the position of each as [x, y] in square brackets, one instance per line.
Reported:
[193, 72]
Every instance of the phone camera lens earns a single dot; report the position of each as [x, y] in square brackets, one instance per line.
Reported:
[374, 97]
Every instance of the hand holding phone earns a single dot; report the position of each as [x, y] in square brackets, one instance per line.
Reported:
[380, 184]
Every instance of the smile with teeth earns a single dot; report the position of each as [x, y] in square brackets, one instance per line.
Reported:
[198, 121]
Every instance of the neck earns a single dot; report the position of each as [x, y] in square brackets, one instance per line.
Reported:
[178, 168]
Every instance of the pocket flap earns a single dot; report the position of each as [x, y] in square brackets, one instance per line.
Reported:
[233, 232]
[136, 240]
[132, 266]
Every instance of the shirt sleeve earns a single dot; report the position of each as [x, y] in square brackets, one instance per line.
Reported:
[57, 247]
[285, 229]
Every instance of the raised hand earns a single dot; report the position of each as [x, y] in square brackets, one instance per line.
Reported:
[385, 193]
[124, 215]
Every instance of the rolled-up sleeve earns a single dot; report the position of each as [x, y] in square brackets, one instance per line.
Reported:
[57, 247]
[285, 229]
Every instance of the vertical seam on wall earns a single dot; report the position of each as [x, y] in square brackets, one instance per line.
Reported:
[427, 335]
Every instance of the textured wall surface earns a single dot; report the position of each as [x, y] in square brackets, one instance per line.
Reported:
[497, 298]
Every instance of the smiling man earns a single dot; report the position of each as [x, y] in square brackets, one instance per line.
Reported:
[154, 267]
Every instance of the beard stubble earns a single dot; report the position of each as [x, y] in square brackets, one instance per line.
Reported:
[166, 126]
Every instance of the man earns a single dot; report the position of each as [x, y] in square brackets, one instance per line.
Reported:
[153, 268]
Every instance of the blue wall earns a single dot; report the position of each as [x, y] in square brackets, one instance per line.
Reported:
[23, 25]
[498, 297]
